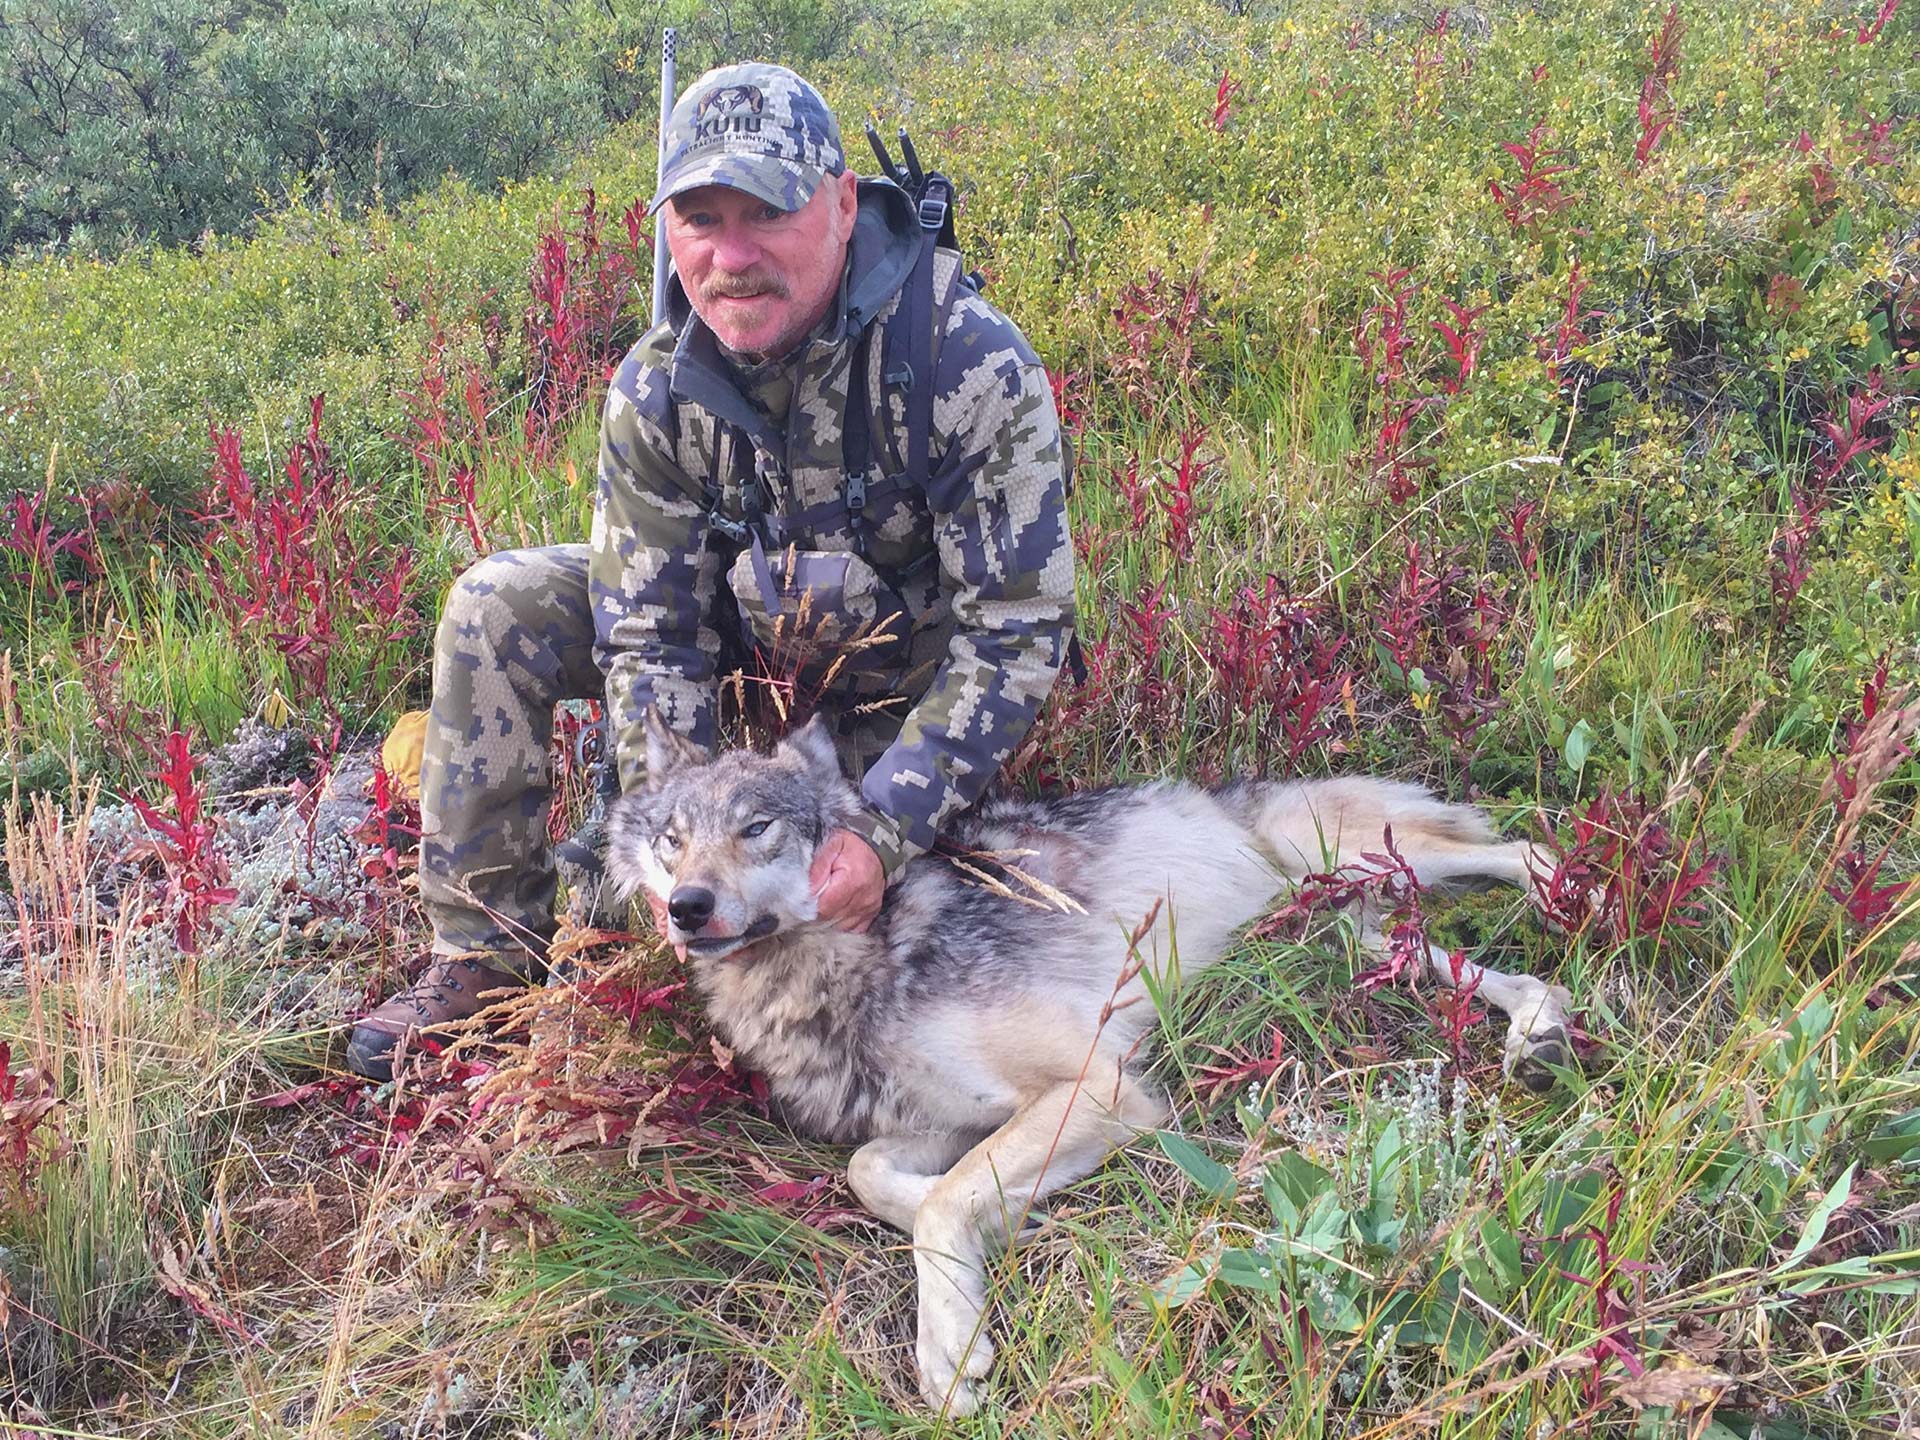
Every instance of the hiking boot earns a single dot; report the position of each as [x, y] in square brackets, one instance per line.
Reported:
[449, 989]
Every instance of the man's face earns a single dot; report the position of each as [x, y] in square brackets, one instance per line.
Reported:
[761, 277]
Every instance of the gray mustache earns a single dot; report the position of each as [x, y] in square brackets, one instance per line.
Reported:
[741, 286]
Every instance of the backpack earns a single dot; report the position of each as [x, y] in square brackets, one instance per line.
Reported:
[911, 340]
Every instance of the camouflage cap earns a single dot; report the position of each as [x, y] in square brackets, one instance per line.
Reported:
[756, 127]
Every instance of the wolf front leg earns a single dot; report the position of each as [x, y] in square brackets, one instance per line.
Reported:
[1059, 1137]
[893, 1174]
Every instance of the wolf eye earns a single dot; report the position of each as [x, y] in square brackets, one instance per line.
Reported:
[755, 830]
[666, 842]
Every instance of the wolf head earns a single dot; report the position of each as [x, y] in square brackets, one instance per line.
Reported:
[727, 841]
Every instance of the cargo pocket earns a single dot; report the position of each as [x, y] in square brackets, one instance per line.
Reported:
[821, 615]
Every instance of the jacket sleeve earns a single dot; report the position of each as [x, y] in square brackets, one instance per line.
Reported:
[650, 572]
[999, 515]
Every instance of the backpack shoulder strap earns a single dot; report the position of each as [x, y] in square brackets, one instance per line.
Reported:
[922, 338]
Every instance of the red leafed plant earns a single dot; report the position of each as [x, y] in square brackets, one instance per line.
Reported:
[1453, 1009]
[1535, 194]
[1556, 347]
[1237, 1069]
[1178, 502]
[1434, 617]
[1463, 338]
[1624, 870]
[1135, 490]
[1069, 399]
[1223, 100]
[1141, 635]
[1657, 111]
[31, 537]
[1876, 744]
[1406, 930]
[1161, 322]
[1277, 660]
[1613, 1317]
[391, 831]
[462, 500]
[1382, 881]
[29, 1127]
[300, 563]
[1846, 437]
[1870, 32]
[580, 284]
[1856, 885]
[1386, 345]
[1473, 627]
[1791, 552]
[1852, 770]
[1519, 536]
[196, 871]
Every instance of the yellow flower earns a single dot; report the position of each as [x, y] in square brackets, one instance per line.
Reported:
[1857, 333]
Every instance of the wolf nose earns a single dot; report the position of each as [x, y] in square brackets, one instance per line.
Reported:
[691, 907]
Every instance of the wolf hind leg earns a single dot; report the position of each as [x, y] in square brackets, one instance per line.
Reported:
[1537, 1012]
[1537, 1017]
[1318, 825]
[1060, 1136]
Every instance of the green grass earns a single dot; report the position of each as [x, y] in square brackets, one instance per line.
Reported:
[184, 1261]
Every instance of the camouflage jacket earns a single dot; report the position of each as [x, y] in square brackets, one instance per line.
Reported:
[991, 618]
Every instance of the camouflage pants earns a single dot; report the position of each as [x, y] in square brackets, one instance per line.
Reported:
[515, 639]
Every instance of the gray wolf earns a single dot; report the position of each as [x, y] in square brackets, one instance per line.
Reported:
[978, 1049]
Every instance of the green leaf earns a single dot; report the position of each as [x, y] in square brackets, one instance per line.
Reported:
[1249, 1270]
[1389, 1153]
[1334, 1311]
[1741, 1426]
[1888, 1281]
[1185, 1283]
[1298, 1178]
[1209, 1174]
[1579, 746]
[1502, 1250]
[1464, 1344]
[1567, 1202]
[1286, 1214]
[1894, 1139]
[1382, 1233]
[1816, 1226]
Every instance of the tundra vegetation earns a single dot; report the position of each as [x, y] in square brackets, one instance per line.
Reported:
[1519, 397]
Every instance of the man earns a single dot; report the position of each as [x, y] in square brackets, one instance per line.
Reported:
[758, 493]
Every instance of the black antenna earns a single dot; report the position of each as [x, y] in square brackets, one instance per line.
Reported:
[912, 159]
[892, 171]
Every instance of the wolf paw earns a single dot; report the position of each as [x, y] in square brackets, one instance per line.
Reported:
[1533, 1067]
[954, 1354]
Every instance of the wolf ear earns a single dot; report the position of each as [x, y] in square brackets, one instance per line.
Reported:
[812, 746]
[667, 751]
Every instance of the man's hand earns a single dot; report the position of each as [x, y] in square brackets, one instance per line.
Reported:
[849, 881]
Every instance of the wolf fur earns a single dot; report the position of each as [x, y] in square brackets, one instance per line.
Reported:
[977, 1042]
